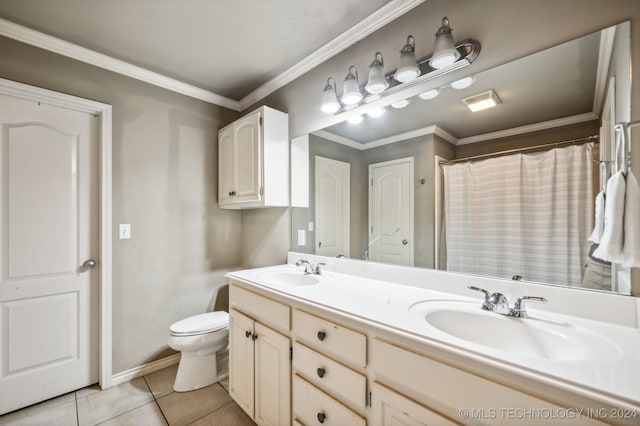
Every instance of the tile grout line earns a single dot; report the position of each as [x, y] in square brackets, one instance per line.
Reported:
[156, 400]
[211, 412]
[75, 396]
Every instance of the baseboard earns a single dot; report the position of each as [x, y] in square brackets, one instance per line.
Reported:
[144, 369]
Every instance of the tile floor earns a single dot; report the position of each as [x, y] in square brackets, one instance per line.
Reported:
[148, 401]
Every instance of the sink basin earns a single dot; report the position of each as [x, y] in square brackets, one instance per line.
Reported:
[288, 277]
[532, 337]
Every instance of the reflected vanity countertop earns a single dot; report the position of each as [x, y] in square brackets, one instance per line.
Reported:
[599, 369]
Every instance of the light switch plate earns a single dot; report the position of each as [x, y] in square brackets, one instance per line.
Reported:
[125, 231]
[302, 237]
[310, 226]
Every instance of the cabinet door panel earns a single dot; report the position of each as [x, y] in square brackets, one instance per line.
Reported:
[226, 173]
[272, 375]
[241, 357]
[392, 409]
[248, 151]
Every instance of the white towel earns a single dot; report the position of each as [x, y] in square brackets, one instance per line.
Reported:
[598, 229]
[611, 243]
[631, 246]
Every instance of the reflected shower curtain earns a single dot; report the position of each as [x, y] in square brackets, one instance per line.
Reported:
[527, 215]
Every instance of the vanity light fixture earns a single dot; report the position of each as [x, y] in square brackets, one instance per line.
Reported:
[376, 112]
[355, 119]
[445, 53]
[407, 67]
[400, 104]
[330, 102]
[351, 94]
[377, 81]
[463, 83]
[481, 101]
[429, 94]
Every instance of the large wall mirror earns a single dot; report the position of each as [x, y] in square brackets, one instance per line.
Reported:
[401, 187]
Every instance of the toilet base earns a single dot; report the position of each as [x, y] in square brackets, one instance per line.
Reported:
[196, 370]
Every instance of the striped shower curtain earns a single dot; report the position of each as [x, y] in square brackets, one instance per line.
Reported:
[527, 215]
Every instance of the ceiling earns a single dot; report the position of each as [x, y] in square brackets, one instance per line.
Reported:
[228, 47]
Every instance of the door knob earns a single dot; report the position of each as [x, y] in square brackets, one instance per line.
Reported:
[89, 264]
[405, 242]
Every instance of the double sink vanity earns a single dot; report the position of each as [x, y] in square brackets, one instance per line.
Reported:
[356, 343]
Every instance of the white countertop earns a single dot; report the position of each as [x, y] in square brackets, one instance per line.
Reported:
[614, 377]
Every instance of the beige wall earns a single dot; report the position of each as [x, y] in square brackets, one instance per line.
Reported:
[164, 185]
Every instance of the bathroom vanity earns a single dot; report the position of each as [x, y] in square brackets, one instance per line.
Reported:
[366, 343]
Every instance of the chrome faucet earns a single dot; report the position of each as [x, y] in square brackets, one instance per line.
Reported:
[499, 304]
[309, 268]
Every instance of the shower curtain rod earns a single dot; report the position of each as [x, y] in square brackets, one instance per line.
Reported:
[591, 138]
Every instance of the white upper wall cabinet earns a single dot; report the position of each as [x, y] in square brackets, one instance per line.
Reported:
[253, 161]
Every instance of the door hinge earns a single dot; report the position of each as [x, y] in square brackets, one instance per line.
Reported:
[261, 121]
[262, 190]
[291, 353]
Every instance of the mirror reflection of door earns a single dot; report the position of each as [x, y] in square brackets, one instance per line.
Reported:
[391, 212]
[332, 207]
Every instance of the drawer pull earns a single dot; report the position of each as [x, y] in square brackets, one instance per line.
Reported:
[320, 372]
[321, 417]
[247, 334]
[321, 335]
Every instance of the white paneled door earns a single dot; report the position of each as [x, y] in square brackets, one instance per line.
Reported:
[332, 207]
[49, 232]
[391, 212]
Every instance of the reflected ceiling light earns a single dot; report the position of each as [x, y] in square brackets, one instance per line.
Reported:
[351, 94]
[429, 94]
[377, 82]
[463, 83]
[481, 101]
[330, 102]
[407, 67]
[445, 52]
[400, 104]
[371, 98]
[355, 119]
[376, 112]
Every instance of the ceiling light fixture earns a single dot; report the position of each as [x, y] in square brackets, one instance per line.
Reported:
[377, 81]
[407, 67]
[429, 94]
[481, 101]
[463, 83]
[376, 112]
[355, 119]
[410, 73]
[445, 53]
[330, 102]
[400, 104]
[351, 94]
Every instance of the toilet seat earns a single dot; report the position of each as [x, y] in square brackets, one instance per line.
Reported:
[200, 324]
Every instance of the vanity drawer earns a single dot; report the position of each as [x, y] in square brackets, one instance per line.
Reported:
[342, 382]
[440, 386]
[263, 309]
[311, 406]
[344, 344]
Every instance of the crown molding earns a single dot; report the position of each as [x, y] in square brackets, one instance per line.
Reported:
[339, 139]
[565, 121]
[73, 51]
[377, 20]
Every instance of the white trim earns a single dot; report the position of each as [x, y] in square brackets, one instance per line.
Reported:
[565, 121]
[375, 21]
[338, 139]
[604, 59]
[144, 369]
[433, 129]
[103, 111]
[61, 47]
[381, 17]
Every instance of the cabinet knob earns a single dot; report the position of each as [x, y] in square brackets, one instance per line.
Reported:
[254, 337]
[321, 335]
[320, 371]
[232, 193]
[321, 417]
[247, 333]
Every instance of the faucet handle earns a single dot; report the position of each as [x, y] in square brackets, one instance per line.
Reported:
[518, 307]
[487, 304]
[308, 269]
[317, 269]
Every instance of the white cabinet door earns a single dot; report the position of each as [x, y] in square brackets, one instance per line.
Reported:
[332, 207]
[241, 384]
[272, 373]
[226, 167]
[393, 409]
[248, 158]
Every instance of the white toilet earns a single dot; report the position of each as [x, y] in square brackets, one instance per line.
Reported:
[199, 338]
